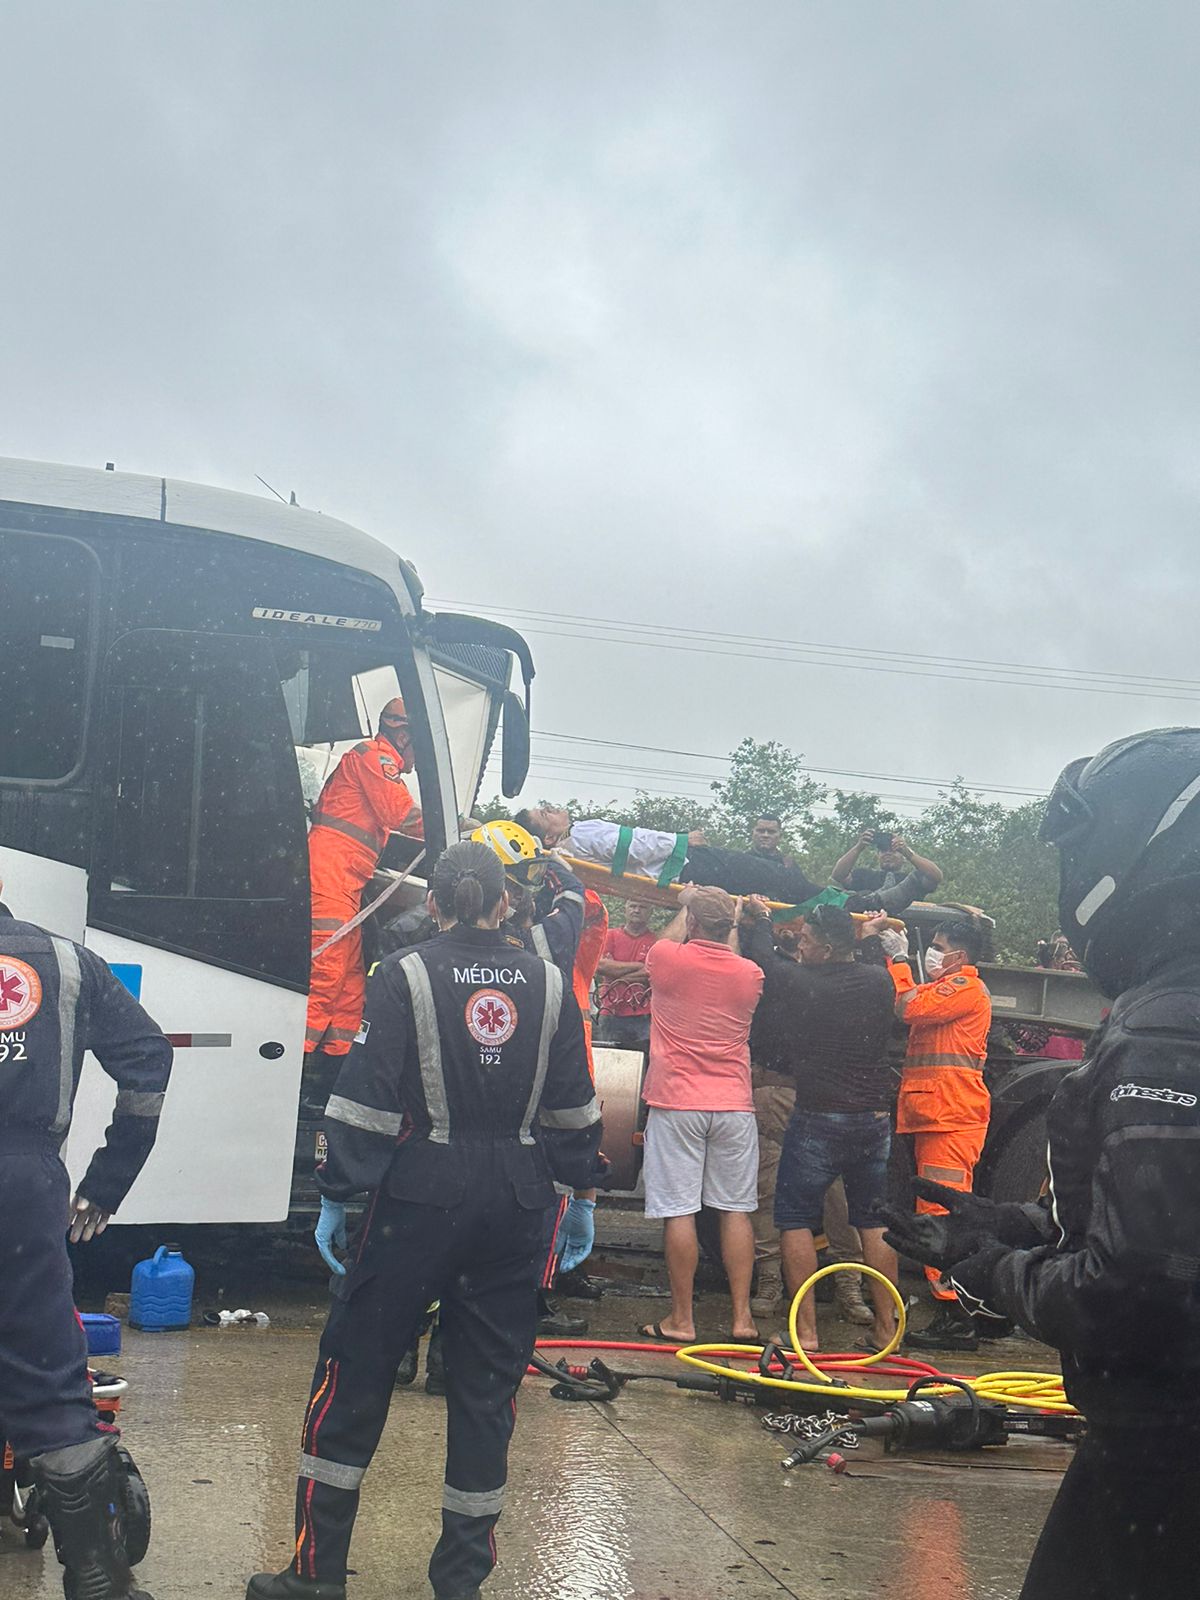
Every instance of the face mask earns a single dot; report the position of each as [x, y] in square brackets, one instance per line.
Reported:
[934, 961]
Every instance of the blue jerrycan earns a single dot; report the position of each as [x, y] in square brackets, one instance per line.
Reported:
[160, 1296]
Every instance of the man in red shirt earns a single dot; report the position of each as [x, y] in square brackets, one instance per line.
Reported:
[701, 1135]
[625, 985]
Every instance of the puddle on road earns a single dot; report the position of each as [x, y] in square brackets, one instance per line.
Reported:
[662, 1496]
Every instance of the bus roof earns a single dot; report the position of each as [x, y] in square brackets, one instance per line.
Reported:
[197, 505]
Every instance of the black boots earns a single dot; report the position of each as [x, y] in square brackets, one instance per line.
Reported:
[82, 1494]
[287, 1586]
[951, 1328]
[576, 1285]
[554, 1323]
[435, 1364]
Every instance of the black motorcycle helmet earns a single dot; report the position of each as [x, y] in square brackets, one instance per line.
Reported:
[1127, 828]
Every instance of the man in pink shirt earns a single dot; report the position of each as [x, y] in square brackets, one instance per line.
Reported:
[701, 1137]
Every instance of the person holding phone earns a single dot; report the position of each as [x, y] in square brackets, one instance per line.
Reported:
[897, 859]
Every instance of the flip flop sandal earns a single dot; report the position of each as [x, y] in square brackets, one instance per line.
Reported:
[868, 1346]
[653, 1330]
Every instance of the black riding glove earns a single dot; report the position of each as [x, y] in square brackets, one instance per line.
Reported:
[971, 1224]
[934, 1241]
[1021, 1226]
[971, 1280]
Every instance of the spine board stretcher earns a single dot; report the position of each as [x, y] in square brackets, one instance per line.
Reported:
[632, 886]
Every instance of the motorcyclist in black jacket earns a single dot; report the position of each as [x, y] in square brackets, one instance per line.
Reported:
[1110, 1273]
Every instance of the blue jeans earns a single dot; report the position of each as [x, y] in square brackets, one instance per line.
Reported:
[819, 1147]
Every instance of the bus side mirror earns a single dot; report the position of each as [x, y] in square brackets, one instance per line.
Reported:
[514, 748]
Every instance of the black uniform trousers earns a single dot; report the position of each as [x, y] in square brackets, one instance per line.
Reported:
[481, 1260]
[551, 1254]
[1123, 1525]
[745, 872]
[45, 1395]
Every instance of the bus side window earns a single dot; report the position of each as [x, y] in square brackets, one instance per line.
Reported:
[206, 849]
[45, 643]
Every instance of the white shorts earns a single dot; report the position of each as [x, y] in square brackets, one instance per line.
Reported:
[695, 1158]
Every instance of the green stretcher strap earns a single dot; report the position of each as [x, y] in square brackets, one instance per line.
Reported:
[620, 858]
[674, 863]
[827, 897]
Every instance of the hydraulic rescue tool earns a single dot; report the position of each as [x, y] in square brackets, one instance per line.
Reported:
[934, 1410]
[937, 1421]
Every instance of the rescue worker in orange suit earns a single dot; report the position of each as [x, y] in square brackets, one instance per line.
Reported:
[587, 959]
[944, 1103]
[364, 800]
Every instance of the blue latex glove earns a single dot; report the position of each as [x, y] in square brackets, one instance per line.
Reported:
[330, 1231]
[576, 1234]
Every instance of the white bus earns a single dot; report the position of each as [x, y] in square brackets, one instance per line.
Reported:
[179, 668]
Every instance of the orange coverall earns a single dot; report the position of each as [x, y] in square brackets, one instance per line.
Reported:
[364, 799]
[944, 1102]
[587, 959]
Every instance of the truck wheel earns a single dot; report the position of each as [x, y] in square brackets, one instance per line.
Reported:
[1020, 1171]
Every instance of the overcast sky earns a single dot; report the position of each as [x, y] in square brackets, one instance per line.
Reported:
[851, 323]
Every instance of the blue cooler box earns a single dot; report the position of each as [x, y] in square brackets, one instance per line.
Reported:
[103, 1333]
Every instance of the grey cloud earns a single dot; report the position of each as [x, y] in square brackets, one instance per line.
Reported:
[859, 323]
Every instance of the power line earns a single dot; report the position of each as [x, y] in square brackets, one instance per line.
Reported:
[573, 770]
[654, 773]
[859, 666]
[843, 772]
[556, 625]
[822, 806]
[582, 769]
[1086, 673]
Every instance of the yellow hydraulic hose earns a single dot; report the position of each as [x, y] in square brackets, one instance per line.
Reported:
[1037, 1391]
[867, 1360]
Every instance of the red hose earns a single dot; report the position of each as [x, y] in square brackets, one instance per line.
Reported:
[609, 1344]
[834, 1362]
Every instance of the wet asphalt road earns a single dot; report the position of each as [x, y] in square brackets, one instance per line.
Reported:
[662, 1495]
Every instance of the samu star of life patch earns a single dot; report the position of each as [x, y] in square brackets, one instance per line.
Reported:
[20, 993]
[491, 1017]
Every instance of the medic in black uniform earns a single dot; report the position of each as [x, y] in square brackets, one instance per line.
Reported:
[549, 921]
[1110, 1273]
[58, 1000]
[465, 1093]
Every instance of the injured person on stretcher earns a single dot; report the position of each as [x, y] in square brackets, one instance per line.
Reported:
[688, 858]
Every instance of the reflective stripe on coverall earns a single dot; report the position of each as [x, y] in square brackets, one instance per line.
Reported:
[58, 1000]
[587, 959]
[944, 1102]
[467, 1092]
[364, 799]
[559, 936]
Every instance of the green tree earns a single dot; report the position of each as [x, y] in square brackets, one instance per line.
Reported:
[993, 859]
[765, 779]
[493, 810]
[829, 837]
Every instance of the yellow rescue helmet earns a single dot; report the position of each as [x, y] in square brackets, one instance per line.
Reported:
[522, 854]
